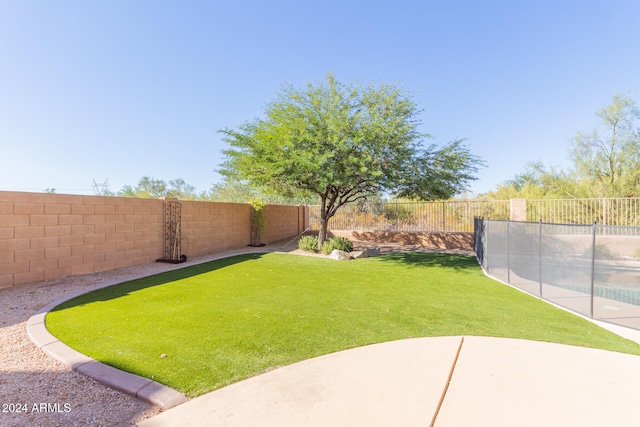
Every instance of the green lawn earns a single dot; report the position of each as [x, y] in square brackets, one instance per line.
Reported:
[230, 319]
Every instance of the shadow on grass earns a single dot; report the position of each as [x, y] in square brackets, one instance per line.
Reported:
[125, 288]
[428, 259]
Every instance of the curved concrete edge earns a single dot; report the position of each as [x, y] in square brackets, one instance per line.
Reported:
[142, 388]
[398, 382]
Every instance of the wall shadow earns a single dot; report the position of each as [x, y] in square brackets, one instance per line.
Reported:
[432, 259]
[125, 288]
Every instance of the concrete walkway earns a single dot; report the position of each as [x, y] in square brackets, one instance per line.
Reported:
[445, 381]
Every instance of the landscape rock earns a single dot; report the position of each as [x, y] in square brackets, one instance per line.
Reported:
[339, 255]
[359, 254]
[373, 251]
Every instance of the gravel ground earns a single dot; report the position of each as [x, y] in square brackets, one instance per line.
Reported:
[36, 390]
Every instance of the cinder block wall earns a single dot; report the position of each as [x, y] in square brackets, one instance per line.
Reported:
[283, 221]
[209, 227]
[43, 236]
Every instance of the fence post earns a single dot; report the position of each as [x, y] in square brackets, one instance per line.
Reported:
[540, 256]
[518, 209]
[486, 245]
[508, 252]
[476, 239]
[593, 265]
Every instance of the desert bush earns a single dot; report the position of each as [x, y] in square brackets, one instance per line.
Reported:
[308, 243]
[339, 243]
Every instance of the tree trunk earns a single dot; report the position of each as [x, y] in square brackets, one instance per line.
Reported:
[322, 235]
[324, 223]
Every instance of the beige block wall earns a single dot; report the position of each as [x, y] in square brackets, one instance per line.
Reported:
[283, 221]
[209, 227]
[518, 209]
[44, 236]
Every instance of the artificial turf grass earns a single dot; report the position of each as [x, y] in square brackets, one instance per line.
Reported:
[226, 320]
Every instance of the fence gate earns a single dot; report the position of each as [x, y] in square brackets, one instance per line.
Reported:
[172, 233]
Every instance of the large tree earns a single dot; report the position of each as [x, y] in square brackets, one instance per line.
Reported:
[344, 143]
[609, 156]
[605, 161]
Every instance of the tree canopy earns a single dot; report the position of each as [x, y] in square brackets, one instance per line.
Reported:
[224, 191]
[149, 187]
[232, 191]
[344, 143]
[609, 156]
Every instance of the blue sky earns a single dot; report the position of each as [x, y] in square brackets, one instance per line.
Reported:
[116, 90]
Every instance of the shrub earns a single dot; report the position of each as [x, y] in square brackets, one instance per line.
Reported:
[308, 243]
[339, 243]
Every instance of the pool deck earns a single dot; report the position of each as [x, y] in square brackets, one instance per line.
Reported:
[445, 381]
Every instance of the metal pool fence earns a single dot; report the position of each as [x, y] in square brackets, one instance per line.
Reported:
[591, 269]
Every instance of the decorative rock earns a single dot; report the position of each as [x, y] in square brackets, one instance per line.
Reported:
[373, 251]
[359, 254]
[339, 255]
